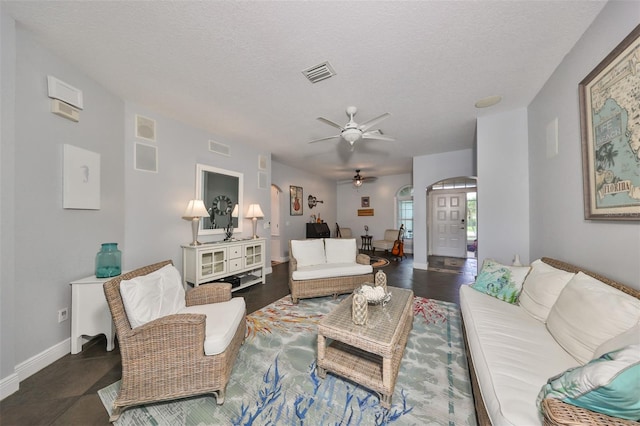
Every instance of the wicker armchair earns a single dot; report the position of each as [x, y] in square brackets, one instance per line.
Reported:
[164, 359]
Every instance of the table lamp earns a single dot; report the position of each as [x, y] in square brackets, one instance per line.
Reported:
[194, 211]
[255, 213]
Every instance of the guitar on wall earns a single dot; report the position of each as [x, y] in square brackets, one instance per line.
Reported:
[398, 245]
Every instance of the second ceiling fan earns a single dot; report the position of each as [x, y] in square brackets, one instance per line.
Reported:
[358, 179]
[353, 132]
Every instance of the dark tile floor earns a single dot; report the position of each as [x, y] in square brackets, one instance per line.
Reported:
[65, 392]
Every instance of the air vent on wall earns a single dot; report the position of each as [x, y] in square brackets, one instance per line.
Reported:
[219, 148]
[319, 72]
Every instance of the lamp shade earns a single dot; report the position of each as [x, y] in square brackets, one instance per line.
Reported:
[194, 209]
[235, 211]
[254, 211]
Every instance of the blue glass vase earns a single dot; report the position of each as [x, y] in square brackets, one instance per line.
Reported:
[108, 261]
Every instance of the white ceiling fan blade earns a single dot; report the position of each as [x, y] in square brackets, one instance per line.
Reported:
[325, 139]
[377, 136]
[331, 123]
[369, 124]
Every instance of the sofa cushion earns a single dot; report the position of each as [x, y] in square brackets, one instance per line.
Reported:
[609, 384]
[330, 270]
[588, 313]
[501, 281]
[513, 355]
[221, 324]
[541, 289]
[308, 252]
[340, 250]
[155, 295]
[629, 337]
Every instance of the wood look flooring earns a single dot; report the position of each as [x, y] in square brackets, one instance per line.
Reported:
[65, 392]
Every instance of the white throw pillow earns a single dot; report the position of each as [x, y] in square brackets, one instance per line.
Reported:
[308, 252]
[341, 250]
[541, 289]
[629, 337]
[152, 296]
[588, 313]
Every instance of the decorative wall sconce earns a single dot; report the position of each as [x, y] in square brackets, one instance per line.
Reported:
[313, 201]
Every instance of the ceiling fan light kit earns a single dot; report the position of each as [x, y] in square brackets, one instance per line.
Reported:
[353, 132]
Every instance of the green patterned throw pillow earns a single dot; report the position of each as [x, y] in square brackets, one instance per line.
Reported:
[501, 281]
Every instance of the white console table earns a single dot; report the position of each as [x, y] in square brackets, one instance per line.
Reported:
[90, 314]
[211, 261]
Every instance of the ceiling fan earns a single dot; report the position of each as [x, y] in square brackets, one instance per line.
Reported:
[353, 132]
[358, 179]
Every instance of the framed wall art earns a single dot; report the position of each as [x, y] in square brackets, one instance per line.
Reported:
[364, 202]
[80, 179]
[611, 135]
[295, 204]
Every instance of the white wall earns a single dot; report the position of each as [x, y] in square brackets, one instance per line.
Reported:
[7, 200]
[382, 200]
[503, 187]
[155, 202]
[294, 227]
[558, 228]
[50, 246]
[427, 170]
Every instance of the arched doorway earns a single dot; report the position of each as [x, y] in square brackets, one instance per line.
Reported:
[452, 221]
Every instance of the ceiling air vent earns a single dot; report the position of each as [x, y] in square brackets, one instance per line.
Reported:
[319, 72]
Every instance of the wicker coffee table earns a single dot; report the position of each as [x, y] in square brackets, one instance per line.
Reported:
[368, 354]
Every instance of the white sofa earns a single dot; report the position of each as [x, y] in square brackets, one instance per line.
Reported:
[326, 266]
[564, 317]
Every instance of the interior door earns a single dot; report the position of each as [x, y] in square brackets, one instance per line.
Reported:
[449, 231]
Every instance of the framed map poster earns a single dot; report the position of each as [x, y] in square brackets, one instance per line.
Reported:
[610, 129]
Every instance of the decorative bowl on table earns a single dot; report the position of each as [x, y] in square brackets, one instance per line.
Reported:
[375, 295]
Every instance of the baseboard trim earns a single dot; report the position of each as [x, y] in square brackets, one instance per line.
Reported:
[9, 385]
[423, 266]
[33, 365]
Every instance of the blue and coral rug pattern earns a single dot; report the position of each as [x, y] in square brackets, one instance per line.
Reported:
[274, 380]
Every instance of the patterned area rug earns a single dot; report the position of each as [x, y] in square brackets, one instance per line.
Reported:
[379, 262]
[274, 380]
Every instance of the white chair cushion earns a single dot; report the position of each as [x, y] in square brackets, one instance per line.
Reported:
[155, 295]
[330, 270]
[222, 322]
[541, 289]
[588, 313]
[308, 252]
[340, 250]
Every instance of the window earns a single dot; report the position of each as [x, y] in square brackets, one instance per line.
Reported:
[472, 218]
[404, 206]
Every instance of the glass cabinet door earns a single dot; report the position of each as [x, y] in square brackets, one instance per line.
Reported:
[212, 262]
[253, 255]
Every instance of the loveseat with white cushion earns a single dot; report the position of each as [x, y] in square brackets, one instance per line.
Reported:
[326, 266]
[529, 335]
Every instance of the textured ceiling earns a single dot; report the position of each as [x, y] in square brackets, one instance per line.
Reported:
[234, 68]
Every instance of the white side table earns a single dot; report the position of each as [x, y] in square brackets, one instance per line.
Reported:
[90, 314]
